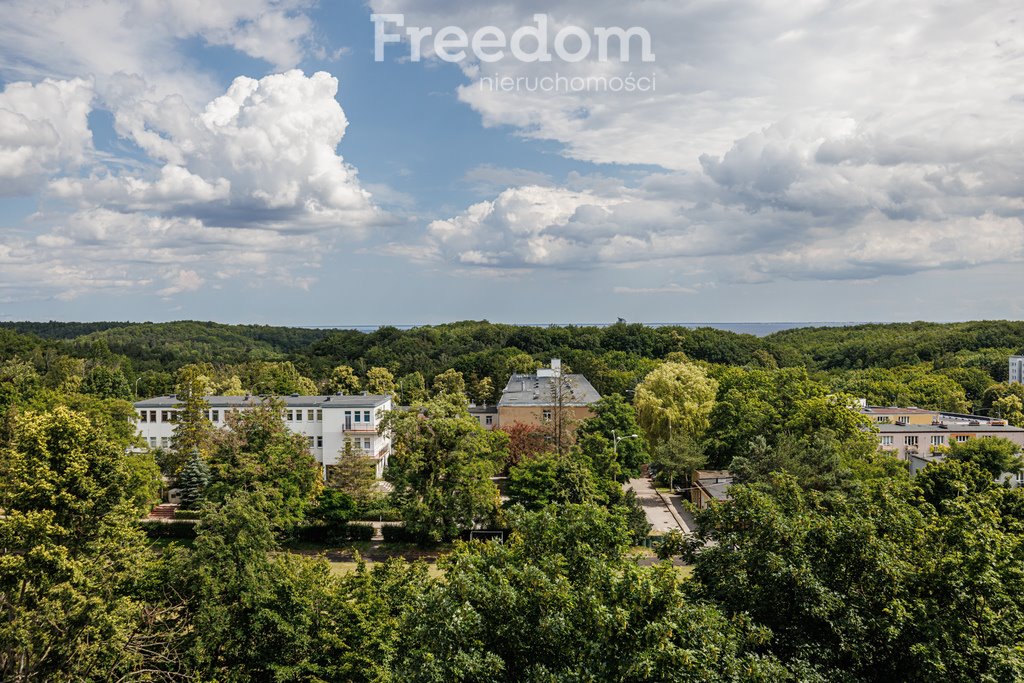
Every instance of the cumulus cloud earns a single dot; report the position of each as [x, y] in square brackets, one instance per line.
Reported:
[43, 129]
[141, 37]
[795, 140]
[103, 250]
[262, 154]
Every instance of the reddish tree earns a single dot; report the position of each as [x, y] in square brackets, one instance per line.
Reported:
[525, 441]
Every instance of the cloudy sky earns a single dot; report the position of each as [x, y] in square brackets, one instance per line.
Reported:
[795, 160]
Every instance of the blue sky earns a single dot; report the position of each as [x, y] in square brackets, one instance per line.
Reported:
[251, 162]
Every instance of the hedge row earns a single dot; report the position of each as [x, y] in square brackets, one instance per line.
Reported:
[187, 514]
[398, 534]
[322, 533]
[171, 529]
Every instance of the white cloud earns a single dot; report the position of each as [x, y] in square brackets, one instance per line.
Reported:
[43, 129]
[798, 140]
[142, 37]
[262, 154]
[102, 250]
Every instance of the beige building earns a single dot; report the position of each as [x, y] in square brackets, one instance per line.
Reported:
[533, 398]
[914, 416]
[907, 440]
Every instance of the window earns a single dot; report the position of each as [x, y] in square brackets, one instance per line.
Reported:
[142, 416]
[165, 416]
[902, 420]
[358, 415]
[152, 416]
[298, 416]
[910, 440]
[319, 415]
[366, 416]
[489, 419]
[311, 443]
[152, 442]
[366, 444]
[288, 415]
[309, 415]
[546, 415]
[886, 440]
[938, 440]
[961, 438]
[319, 442]
[165, 442]
[215, 415]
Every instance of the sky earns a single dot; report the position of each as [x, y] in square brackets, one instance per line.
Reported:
[255, 162]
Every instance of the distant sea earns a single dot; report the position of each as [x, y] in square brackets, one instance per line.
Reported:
[757, 329]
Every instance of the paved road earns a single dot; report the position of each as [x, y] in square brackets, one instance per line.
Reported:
[658, 514]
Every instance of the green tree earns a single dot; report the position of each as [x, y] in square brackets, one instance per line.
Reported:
[996, 455]
[193, 481]
[71, 560]
[380, 382]
[255, 613]
[441, 467]
[678, 457]
[343, 380]
[551, 478]
[412, 389]
[449, 382]
[569, 605]
[614, 418]
[675, 397]
[355, 475]
[258, 453]
[106, 382]
[193, 430]
[483, 391]
[1009, 408]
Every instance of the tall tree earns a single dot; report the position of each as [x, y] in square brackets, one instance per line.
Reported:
[449, 382]
[343, 380]
[380, 382]
[675, 397]
[441, 467]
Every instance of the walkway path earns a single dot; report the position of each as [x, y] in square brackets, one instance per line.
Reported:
[662, 518]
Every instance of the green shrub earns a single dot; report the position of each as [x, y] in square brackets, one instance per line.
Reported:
[398, 534]
[187, 514]
[172, 529]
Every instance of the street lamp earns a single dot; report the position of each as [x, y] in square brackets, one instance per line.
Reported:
[616, 439]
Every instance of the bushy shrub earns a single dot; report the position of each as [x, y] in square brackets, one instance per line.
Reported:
[171, 529]
[187, 514]
[398, 534]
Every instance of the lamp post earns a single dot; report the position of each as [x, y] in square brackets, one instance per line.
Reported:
[616, 439]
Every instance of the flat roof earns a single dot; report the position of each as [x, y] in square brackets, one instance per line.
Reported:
[531, 390]
[357, 401]
[950, 427]
[879, 410]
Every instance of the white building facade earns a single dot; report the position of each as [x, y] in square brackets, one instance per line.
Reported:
[1017, 369]
[329, 423]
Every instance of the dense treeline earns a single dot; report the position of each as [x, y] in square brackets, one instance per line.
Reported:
[829, 563]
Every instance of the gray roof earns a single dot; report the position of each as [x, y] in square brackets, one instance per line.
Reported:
[357, 401]
[531, 390]
[949, 427]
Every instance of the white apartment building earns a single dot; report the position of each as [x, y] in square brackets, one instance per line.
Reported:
[1017, 369]
[329, 423]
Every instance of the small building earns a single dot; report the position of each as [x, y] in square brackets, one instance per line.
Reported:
[1016, 375]
[532, 398]
[710, 486]
[329, 423]
[486, 415]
